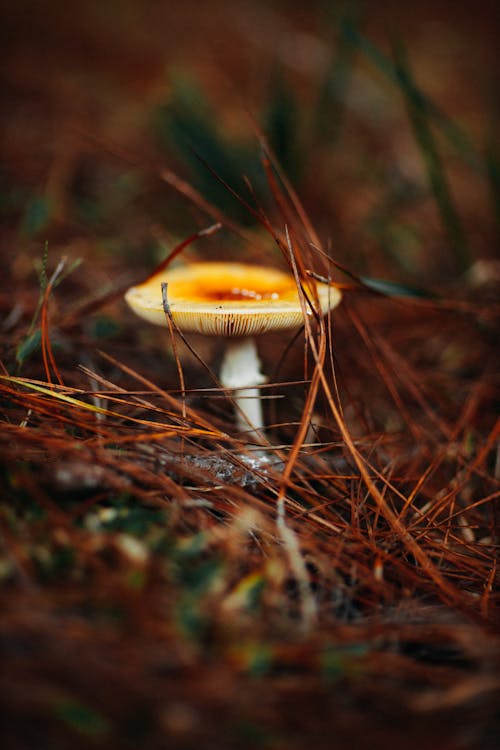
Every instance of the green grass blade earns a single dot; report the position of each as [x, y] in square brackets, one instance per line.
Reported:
[454, 135]
[395, 288]
[187, 125]
[281, 124]
[331, 104]
[492, 160]
[419, 118]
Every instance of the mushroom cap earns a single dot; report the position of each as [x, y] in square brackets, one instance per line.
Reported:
[227, 299]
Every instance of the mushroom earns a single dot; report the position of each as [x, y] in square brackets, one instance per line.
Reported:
[236, 302]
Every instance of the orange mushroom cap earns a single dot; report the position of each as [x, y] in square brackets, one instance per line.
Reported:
[227, 299]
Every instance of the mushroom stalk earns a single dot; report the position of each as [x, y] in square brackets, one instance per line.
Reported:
[241, 371]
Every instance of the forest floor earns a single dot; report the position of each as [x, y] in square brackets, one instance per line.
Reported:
[159, 585]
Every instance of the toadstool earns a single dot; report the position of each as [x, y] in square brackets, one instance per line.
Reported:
[236, 302]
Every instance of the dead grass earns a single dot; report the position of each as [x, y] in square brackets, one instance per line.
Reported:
[160, 588]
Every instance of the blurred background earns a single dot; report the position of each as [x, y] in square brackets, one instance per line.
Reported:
[147, 597]
[383, 115]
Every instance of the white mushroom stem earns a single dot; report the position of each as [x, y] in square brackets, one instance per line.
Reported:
[241, 371]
